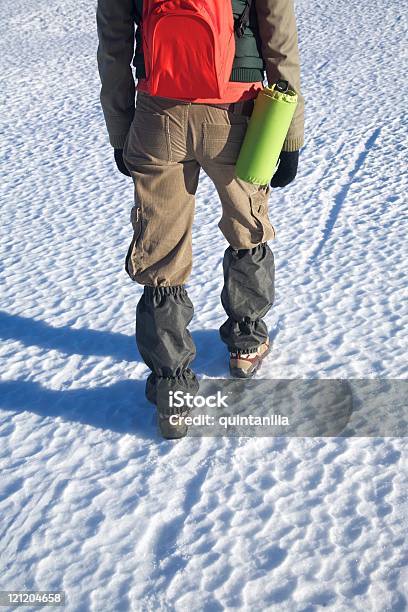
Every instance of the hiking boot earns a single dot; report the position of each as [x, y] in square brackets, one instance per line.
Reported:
[173, 426]
[244, 365]
[159, 390]
[171, 419]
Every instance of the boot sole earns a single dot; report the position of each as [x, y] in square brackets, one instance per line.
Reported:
[171, 432]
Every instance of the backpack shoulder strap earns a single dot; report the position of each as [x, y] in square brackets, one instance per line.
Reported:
[242, 21]
[138, 10]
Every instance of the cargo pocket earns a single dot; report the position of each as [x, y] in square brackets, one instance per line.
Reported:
[149, 138]
[259, 211]
[222, 142]
[133, 256]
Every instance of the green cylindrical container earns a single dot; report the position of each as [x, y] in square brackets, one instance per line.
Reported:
[266, 132]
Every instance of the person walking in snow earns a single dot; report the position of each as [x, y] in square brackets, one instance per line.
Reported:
[199, 67]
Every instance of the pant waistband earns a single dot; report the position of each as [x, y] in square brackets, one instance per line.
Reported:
[244, 107]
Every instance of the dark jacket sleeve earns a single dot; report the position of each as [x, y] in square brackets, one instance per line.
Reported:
[116, 34]
[279, 38]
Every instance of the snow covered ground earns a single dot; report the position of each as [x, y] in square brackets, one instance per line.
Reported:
[91, 500]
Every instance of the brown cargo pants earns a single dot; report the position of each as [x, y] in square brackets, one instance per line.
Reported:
[168, 142]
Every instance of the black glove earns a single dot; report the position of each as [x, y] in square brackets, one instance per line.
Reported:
[287, 169]
[120, 163]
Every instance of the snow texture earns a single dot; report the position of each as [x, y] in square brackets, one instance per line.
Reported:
[92, 501]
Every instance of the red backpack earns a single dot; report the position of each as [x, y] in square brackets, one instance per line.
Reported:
[189, 46]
